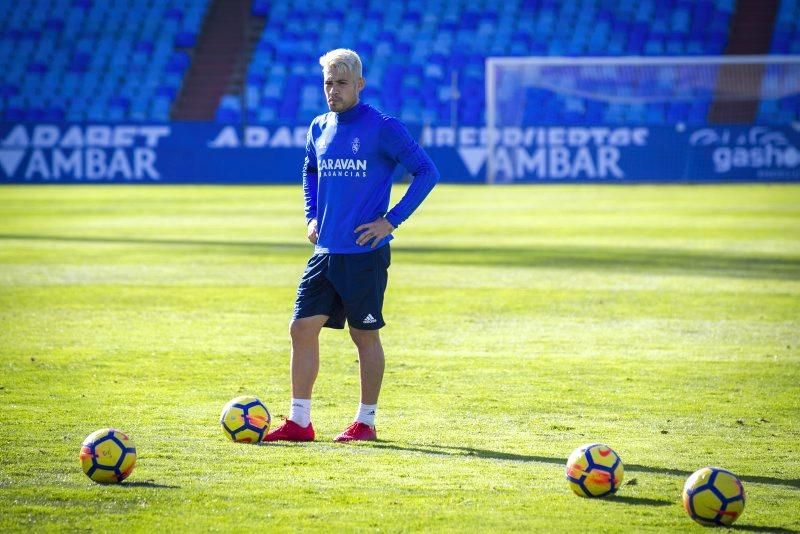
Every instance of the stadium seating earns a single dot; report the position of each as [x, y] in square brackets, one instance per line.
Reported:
[785, 40]
[101, 60]
[115, 60]
[421, 55]
[786, 36]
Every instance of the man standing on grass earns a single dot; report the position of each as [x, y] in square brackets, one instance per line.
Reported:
[351, 154]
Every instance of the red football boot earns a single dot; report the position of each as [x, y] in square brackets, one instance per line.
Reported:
[291, 431]
[357, 432]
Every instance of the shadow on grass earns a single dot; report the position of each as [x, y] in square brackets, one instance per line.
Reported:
[497, 455]
[279, 444]
[147, 484]
[253, 247]
[754, 528]
[662, 260]
[728, 264]
[639, 500]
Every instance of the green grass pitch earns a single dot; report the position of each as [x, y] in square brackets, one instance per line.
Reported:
[523, 321]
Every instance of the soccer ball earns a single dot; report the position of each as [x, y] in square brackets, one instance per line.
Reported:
[594, 470]
[107, 456]
[245, 420]
[713, 496]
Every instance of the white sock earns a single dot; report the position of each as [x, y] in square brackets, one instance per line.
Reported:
[300, 412]
[366, 414]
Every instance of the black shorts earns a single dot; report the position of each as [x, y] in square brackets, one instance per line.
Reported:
[343, 286]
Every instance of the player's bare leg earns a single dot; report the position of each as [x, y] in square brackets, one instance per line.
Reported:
[305, 354]
[304, 370]
[370, 361]
[371, 365]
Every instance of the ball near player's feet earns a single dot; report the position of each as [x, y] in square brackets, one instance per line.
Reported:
[107, 456]
[245, 420]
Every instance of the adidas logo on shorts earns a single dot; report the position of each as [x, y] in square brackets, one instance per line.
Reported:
[369, 319]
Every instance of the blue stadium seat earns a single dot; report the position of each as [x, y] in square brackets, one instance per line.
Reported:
[228, 116]
[84, 58]
[74, 56]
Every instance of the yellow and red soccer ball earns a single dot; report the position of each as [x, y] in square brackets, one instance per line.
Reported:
[107, 456]
[245, 420]
[594, 470]
[713, 496]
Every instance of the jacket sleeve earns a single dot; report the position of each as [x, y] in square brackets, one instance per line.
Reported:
[310, 180]
[397, 143]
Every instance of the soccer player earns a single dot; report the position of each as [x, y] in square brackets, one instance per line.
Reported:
[351, 154]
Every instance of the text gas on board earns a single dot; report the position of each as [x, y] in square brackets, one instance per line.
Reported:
[765, 150]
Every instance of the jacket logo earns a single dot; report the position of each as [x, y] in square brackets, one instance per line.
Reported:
[356, 145]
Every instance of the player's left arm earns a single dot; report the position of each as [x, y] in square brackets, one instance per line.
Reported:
[398, 144]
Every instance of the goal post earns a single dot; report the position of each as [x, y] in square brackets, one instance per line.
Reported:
[627, 92]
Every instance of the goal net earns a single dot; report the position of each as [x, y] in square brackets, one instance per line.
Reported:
[530, 92]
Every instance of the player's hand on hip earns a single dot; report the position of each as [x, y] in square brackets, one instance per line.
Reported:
[374, 231]
[313, 232]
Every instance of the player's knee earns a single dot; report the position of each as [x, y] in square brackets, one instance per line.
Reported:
[365, 338]
[303, 329]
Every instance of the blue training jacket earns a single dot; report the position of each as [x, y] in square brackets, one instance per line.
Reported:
[347, 175]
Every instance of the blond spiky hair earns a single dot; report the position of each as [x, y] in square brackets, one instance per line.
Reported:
[342, 58]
